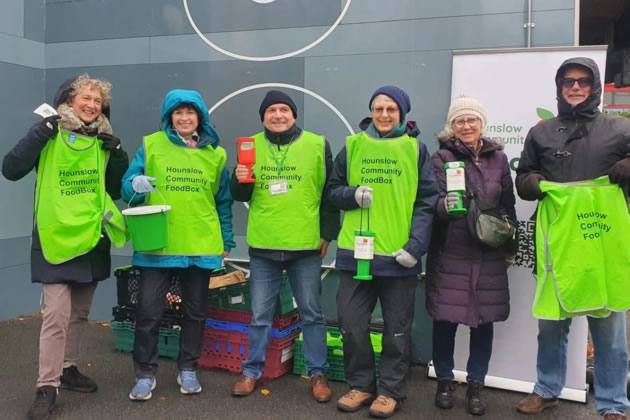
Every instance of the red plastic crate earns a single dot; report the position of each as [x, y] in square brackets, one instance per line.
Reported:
[227, 349]
[245, 317]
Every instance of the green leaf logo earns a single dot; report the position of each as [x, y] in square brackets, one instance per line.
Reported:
[544, 114]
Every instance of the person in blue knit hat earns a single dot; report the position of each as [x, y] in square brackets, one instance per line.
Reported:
[384, 174]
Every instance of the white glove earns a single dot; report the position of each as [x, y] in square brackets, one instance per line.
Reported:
[405, 259]
[142, 184]
[451, 200]
[363, 197]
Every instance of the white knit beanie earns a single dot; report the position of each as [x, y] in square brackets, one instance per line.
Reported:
[465, 105]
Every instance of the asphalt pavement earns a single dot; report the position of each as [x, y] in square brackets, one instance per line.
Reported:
[288, 397]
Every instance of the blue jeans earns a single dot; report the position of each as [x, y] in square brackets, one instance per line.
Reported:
[611, 360]
[264, 284]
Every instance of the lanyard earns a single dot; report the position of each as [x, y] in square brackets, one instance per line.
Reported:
[279, 163]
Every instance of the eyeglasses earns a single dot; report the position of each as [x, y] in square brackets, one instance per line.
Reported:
[582, 82]
[470, 121]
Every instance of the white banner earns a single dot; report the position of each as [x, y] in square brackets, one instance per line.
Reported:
[517, 89]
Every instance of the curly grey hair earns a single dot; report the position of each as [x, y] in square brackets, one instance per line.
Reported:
[86, 81]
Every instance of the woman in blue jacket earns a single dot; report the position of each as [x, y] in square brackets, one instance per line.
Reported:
[184, 166]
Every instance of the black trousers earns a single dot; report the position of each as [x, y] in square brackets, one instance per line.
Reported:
[480, 351]
[154, 283]
[356, 300]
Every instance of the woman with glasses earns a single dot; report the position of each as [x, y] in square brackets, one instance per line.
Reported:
[467, 281]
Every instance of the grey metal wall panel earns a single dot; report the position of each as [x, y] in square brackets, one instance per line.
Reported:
[98, 53]
[139, 18]
[96, 19]
[247, 43]
[22, 90]
[15, 251]
[12, 17]
[372, 10]
[35, 20]
[21, 297]
[241, 15]
[454, 33]
[553, 28]
[21, 51]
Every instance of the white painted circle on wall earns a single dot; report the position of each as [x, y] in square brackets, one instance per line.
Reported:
[286, 86]
[266, 58]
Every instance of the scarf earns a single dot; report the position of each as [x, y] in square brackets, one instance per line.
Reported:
[71, 122]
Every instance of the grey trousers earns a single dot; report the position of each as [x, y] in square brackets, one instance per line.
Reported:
[65, 316]
[356, 300]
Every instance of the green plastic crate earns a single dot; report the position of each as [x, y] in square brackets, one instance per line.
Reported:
[237, 297]
[334, 354]
[124, 336]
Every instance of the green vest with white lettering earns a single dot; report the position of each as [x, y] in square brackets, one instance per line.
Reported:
[390, 168]
[187, 179]
[72, 208]
[582, 250]
[288, 221]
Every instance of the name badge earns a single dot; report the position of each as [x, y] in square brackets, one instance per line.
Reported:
[72, 138]
[280, 187]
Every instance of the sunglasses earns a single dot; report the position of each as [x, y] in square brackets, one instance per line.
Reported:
[582, 82]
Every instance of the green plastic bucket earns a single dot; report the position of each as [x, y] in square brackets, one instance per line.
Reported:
[148, 226]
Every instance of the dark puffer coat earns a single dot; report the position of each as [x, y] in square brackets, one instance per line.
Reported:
[466, 281]
[96, 264]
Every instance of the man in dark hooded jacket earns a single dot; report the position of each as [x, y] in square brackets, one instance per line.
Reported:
[579, 144]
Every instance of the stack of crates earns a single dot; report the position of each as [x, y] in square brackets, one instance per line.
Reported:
[335, 354]
[124, 314]
[225, 343]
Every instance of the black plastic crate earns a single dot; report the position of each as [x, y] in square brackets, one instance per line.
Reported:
[128, 286]
[128, 314]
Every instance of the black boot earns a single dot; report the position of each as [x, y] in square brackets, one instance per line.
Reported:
[74, 380]
[45, 398]
[474, 404]
[444, 394]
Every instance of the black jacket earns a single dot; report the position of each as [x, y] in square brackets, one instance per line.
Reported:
[328, 214]
[579, 144]
[342, 195]
[96, 264]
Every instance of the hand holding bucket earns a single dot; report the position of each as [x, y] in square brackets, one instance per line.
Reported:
[148, 225]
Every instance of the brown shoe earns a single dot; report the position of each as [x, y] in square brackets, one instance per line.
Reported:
[614, 416]
[245, 386]
[321, 390]
[354, 400]
[383, 407]
[535, 404]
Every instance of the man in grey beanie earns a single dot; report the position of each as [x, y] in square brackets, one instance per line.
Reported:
[383, 174]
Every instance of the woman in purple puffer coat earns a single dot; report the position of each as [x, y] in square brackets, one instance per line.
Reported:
[467, 282]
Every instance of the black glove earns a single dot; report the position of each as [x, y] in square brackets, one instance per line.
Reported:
[48, 127]
[529, 188]
[619, 173]
[110, 143]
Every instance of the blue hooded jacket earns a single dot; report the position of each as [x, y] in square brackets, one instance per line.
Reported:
[223, 199]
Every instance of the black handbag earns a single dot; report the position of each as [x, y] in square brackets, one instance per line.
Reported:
[489, 224]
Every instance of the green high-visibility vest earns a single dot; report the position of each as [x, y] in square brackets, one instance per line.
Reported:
[72, 208]
[186, 179]
[288, 221]
[582, 250]
[390, 168]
